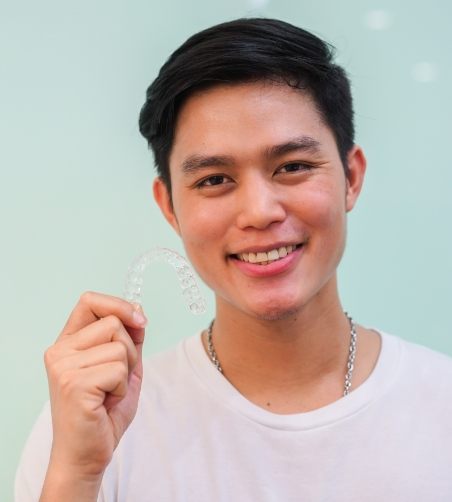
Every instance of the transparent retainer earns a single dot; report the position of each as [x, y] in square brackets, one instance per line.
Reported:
[188, 282]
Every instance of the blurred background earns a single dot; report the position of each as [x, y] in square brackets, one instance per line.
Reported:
[76, 205]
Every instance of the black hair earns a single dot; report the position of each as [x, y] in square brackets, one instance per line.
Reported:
[247, 50]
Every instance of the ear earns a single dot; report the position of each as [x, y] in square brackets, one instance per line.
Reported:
[163, 199]
[357, 168]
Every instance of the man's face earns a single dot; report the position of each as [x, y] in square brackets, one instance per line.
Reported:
[254, 170]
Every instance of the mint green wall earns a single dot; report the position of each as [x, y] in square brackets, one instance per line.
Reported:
[75, 188]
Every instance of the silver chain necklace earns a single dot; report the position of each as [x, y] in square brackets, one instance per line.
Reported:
[350, 363]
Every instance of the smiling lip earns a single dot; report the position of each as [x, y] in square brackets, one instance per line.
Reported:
[273, 268]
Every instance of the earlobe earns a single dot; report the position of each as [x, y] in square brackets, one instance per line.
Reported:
[163, 199]
[357, 168]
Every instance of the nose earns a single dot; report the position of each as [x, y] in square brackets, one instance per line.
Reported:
[259, 204]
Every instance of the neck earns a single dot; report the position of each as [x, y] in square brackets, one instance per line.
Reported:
[299, 355]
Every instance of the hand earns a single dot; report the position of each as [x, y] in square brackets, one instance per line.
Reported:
[95, 372]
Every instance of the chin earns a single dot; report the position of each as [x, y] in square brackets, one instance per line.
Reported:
[276, 312]
[277, 315]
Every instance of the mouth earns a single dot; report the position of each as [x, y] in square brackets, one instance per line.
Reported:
[266, 257]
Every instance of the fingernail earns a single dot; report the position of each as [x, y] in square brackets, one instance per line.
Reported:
[138, 315]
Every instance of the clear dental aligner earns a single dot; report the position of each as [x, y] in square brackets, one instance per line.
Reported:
[190, 289]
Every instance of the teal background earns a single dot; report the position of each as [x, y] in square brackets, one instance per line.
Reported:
[75, 190]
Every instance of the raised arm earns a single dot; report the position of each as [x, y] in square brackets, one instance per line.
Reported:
[95, 371]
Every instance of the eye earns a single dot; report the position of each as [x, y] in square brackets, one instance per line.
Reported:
[294, 167]
[216, 180]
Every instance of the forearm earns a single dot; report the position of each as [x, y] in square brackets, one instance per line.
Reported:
[68, 486]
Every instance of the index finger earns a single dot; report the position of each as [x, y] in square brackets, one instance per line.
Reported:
[93, 306]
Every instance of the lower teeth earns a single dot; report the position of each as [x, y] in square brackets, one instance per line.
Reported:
[266, 262]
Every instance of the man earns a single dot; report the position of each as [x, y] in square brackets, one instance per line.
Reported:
[283, 397]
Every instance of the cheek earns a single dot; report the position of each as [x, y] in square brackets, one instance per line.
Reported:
[325, 217]
[323, 207]
[202, 230]
[201, 225]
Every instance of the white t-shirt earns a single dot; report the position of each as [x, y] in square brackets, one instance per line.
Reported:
[196, 438]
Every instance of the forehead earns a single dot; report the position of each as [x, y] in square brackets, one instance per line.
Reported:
[244, 119]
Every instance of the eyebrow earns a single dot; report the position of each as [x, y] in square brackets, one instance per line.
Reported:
[197, 162]
[303, 143]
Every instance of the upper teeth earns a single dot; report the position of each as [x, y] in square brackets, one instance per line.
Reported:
[274, 254]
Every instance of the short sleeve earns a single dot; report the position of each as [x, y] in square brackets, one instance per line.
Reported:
[34, 461]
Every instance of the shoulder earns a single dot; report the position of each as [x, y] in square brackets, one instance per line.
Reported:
[414, 353]
[432, 368]
[169, 370]
[426, 358]
[169, 391]
[167, 362]
[422, 367]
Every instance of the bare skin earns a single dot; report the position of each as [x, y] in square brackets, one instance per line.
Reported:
[95, 371]
[329, 388]
[282, 338]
